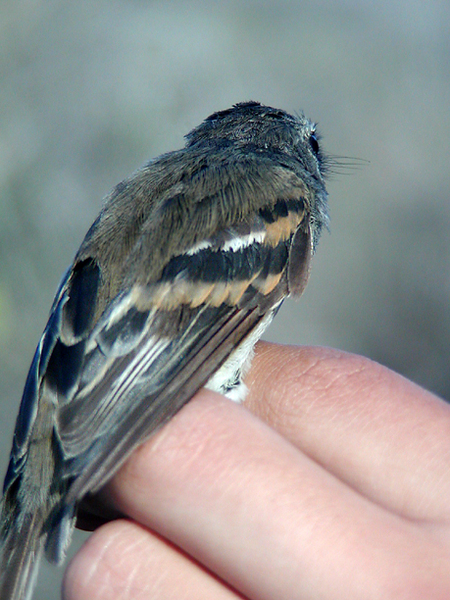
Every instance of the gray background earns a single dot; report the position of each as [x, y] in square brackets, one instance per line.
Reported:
[91, 90]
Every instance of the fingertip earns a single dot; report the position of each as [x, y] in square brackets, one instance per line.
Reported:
[288, 381]
[97, 565]
[279, 369]
[125, 560]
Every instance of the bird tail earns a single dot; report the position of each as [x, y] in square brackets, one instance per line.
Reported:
[20, 551]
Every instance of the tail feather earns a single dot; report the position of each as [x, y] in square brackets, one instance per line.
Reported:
[20, 552]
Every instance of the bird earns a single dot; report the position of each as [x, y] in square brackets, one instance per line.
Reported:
[184, 268]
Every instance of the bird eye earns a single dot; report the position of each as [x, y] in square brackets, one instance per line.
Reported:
[314, 143]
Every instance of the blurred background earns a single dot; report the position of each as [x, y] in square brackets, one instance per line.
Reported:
[91, 90]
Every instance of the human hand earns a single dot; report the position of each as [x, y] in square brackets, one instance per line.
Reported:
[335, 484]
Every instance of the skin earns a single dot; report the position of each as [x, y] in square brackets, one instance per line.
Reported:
[332, 482]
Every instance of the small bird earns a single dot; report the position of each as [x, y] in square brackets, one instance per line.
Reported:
[175, 281]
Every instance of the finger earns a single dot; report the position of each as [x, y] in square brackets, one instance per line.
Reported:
[125, 561]
[383, 435]
[244, 502]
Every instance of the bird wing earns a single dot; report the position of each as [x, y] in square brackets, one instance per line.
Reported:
[157, 345]
[110, 381]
